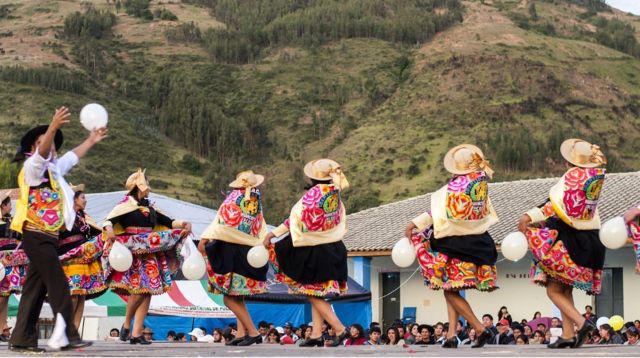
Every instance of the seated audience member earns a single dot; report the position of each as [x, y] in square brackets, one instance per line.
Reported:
[356, 336]
[374, 336]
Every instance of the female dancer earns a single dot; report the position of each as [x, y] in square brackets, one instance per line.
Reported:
[566, 247]
[239, 225]
[80, 250]
[13, 258]
[630, 217]
[155, 241]
[453, 247]
[312, 260]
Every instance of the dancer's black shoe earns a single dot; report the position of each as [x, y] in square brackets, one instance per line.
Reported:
[339, 339]
[451, 343]
[235, 342]
[562, 343]
[25, 349]
[313, 342]
[139, 340]
[583, 333]
[251, 340]
[485, 337]
[124, 334]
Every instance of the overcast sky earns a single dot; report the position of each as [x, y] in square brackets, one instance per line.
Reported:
[632, 6]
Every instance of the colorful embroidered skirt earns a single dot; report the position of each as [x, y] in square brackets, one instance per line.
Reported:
[327, 261]
[634, 229]
[83, 267]
[16, 264]
[441, 271]
[551, 259]
[156, 259]
[229, 272]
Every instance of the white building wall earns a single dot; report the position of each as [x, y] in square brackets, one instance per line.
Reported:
[516, 291]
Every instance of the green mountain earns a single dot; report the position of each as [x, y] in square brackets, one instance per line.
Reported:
[200, 89]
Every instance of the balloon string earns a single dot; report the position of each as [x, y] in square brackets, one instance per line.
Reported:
[402, 284]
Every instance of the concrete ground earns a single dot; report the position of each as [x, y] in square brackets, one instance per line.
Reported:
[160, 349]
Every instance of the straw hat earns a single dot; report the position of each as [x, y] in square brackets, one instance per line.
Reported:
[4, 194]
[139, 180]
[247, 180]
[582, 153]
[465, 159]
[77, 188]
[326, 169]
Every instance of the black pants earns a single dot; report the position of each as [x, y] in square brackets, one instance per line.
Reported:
[45, 279]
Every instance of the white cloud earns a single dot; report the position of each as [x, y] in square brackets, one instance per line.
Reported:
[632, 6]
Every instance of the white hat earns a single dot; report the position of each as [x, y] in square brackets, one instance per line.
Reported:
[280, 330]
[197, 332]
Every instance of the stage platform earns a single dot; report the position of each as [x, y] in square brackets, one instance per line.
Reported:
[162, 349]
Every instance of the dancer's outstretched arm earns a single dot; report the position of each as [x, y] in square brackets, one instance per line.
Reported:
[95, 137]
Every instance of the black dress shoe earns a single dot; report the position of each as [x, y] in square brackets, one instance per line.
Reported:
[562, 343]
[450, 343]
[486, 336]
[583, 333]
[251, 340]
[235, 341]
[339, 339]
[139, 340]
[313, 342]
[76, 344]
[25, 349]
[124, 334]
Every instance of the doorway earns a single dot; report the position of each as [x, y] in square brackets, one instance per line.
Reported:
[390, 302]
[610, 301]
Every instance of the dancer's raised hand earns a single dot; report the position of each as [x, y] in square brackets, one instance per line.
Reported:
[60, 118]
[524, 222]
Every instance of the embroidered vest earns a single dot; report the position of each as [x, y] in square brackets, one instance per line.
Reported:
[575, 197]
[467, 197]
[239, 220]
[462, 207]
[242, 213]
[318, 218]
[42, 206]
[321, 208]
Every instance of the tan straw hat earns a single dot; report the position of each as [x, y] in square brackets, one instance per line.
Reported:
[247, 180]
[77, 188]
[582, 153]
[326, 169]
[5, 194]
[465, 159]
[139, 180]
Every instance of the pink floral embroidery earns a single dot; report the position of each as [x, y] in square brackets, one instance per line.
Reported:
[574, 202]
[458, 184]
[313, 218]
[312, 196]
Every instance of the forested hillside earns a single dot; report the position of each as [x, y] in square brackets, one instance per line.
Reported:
[200, 89]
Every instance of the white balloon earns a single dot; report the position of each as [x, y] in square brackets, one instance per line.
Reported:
[194, 267]
[514, 246]
[403, 253]
[601, 321]
[2, 272]
[120, 257]
[613, 233]
[93, 116]
[258, 256]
